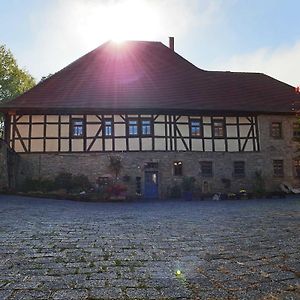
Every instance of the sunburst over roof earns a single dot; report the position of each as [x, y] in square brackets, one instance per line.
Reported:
[150, 76]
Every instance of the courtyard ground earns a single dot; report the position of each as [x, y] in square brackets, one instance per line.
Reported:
[53, 249]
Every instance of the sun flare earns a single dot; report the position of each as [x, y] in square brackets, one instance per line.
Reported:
[121, 20]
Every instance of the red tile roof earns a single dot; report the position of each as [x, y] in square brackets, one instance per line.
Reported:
[150, 76]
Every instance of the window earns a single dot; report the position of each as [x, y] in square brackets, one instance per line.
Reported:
[276, 130]
[206, 168]
[146, 127]
[297, 167]
[177, 168]
[219, 128]
[108, 129]
[195, 128]
[77, 128]
[296, 130]
[133, 127]
[239, 168]
[278, 168]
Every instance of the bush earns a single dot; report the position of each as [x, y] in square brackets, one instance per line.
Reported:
[188, 184]
[175, 191]
[259, 184]
[81, 182]
[31, 185]
[63, 181]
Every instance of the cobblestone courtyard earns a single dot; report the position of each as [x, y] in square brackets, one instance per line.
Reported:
[52, 249]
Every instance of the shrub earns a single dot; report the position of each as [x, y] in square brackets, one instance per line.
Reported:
[63, 181]
[31, 185]
[259, 183]
[175, 191]
[188, 184]
[116, 189]
[80, 182]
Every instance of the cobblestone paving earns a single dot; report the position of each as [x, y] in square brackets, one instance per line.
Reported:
[51, 249]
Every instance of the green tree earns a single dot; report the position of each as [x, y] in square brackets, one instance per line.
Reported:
[13, 79]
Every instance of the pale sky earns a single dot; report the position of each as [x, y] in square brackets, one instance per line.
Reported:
[234, 35]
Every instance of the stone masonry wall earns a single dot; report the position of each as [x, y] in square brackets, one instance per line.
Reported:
[96, 164]
[3, 166]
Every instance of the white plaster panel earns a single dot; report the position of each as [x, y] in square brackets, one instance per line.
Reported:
[180, 145]
[120, 144]
[244, 129]
[208, 145]
[146, 144]
[184, 130]
[91, 118]
[24, 119]
[18, 146]
[233, 145]
[64, 130]
[184, 119]
[51, 145]
[37, 130]
[244, 120]
[159, 129]
[51, 130]
[108, 144]
[197, 145]
[160, 144]
[65, 118]
[37, 119]
[23, 129]
[219, 145]
[207, 131]
[133, 144]
[91, 129]
[117, 118]
[52, 119]
[120, 129]
[37, 145]
[230, 120]
[249, 146]
[97, 146]
[231, 130]
[160, 119]
[77, 145]
[64, 145]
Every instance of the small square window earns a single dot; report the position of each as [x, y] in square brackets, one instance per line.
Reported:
[278, 168]
[296, 130]
[239, 168]
[146, 127]
[206, 168]
[133, 127]
[77, 128]
[177, 168]
[276, 130]
[195, 126]
[108, 128]
[218, 128]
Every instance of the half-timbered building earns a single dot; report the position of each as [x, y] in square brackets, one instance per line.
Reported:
[165, 117]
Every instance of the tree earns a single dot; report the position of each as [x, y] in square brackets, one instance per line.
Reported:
[115, 165]
[13, 80]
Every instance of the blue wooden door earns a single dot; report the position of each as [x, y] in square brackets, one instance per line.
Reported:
[151, 184]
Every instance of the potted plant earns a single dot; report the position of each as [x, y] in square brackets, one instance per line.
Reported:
[188, 185]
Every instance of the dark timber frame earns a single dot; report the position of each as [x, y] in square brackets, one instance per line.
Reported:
[170, 133]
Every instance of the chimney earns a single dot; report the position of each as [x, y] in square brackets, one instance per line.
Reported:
[171, 43]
